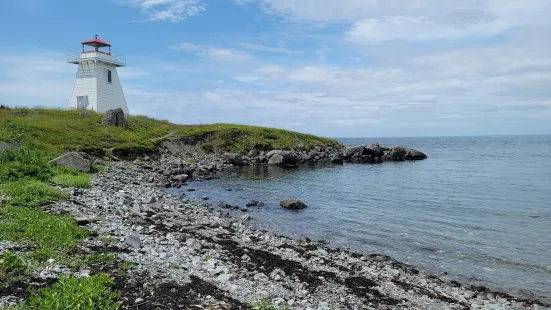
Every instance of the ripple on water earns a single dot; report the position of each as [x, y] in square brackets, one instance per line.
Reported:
[477, 208]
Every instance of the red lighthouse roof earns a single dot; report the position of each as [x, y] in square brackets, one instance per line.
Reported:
[95, 42]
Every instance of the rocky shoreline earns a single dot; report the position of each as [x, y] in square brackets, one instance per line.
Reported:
[188, 254]
[192, 164]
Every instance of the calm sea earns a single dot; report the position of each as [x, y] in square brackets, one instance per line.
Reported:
[479, 208]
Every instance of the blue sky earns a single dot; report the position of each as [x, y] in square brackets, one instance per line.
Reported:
[339, 68]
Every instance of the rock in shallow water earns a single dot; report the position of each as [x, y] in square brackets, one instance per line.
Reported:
[292, 204]
[234, 159]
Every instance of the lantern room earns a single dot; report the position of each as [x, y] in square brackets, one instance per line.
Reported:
[96, 45]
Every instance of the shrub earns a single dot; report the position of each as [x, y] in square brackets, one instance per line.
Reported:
[11, 263]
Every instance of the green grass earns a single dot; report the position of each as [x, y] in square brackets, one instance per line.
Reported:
[31, 193]
[126, 265]
[53, 236]
[69, 180]
[56, 131]
[241, 138]
[13, 269]
[95, 292]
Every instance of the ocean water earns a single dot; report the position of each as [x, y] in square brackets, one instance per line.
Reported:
[478, 210]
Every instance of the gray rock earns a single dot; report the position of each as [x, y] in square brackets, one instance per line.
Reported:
[133, 241]
[193, 244]
[234, 159]
[272, 153]
[376, 149]
[114, 117]
[396, 153]
[225, 222]
[337, 159]
[253, 153]
[284, 158]
[246, 218]
[72, 160]
[292, 204]
[261, 277]
[225, 277]
[351, 151]
[181, 177]
[254, 203]
[413, 154]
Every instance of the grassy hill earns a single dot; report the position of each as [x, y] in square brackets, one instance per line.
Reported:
[56, 131]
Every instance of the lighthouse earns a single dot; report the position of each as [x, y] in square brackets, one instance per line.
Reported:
[97, 85]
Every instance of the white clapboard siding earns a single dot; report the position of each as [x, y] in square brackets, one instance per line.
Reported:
[110, 95]
[85, 85]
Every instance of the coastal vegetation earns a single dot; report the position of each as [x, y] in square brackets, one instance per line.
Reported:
[30, 138]
[55, 131]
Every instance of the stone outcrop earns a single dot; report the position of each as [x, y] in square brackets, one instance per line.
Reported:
[72, 160]
[372, 153]
[283, 158]
[114, 117]
[375, 153]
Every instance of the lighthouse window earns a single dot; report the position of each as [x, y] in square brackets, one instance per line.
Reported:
[108, 76]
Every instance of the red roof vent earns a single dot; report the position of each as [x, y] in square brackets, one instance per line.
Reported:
[95, 42]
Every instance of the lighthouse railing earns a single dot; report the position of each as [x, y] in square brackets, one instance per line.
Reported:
[75, 57]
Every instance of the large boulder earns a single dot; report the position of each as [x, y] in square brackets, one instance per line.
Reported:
[375, 149]
[396, 153]
[337, 159]
[413, 154]
[234, 159]
[114, 117]
[292, 204]
[72, 160]
[352, 151]
[284, 158]
[272, 153]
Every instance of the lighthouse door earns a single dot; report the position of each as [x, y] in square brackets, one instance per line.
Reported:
[82, 102]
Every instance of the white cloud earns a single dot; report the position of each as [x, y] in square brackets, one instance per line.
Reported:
[215, 53]
[420, 20]
[167, 10]
[36, 79]
[270, 49]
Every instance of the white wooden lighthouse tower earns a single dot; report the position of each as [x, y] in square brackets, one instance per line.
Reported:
[97, 85]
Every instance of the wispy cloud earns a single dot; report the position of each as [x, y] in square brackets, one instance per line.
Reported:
[270, 49]
[167, 10]
[213, 52]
